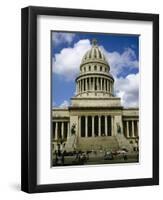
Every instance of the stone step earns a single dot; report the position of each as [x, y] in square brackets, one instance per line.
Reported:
[97, 143]
[124, 143]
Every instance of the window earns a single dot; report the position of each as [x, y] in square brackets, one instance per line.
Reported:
[95, 67]
[89, 68]
[100, 68]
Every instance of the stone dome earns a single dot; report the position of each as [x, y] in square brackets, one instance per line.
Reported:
[94, 54]
[94, 79]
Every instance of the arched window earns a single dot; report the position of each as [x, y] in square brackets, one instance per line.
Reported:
[89, 68]
[95, 67]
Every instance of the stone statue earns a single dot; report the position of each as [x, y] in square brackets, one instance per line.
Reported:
[73, 129]
[118, 128]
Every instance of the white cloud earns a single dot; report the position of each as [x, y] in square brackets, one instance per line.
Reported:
[120, 62]
[64, 104]
[58, 38]
[67, 62]
[128, 89]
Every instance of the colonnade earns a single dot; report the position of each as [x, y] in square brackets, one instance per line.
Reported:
[61, 129]
[94, 83]
[131, 128]
[93, 126]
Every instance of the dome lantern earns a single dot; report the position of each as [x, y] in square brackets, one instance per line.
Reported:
[94, 42]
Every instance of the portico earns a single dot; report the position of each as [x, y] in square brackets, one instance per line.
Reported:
[94, 126]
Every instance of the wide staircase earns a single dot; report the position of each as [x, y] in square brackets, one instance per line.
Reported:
[98, 143]
[106, 143]
[124, 143]
[71, 143]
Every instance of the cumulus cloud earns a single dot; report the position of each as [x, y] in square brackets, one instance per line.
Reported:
[64, 104]
[67, 62]
[58, 38]
[120, 62]
[128, 89]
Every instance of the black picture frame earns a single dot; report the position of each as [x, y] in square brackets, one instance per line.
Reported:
[29, 99]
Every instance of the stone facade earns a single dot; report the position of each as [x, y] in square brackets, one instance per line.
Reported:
[95, 119]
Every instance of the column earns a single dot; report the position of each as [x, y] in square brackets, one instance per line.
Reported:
[56, 130]
[127, 129]
[68, 129]
[107, 85]
[99, 125]
[89, 83]
[93, 131]
[79, 125]
[106, 126]
[97, 83]
[110, 87]
[104, 85]
[101, 83]
[62, 130]
[137, 128]
[79, 85]
[86, 126]
[86, 84]
[112, 126]
[133, 135]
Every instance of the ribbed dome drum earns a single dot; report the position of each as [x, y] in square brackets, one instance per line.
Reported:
[94, 79]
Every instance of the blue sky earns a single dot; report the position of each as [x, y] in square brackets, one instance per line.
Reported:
[121, 51]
